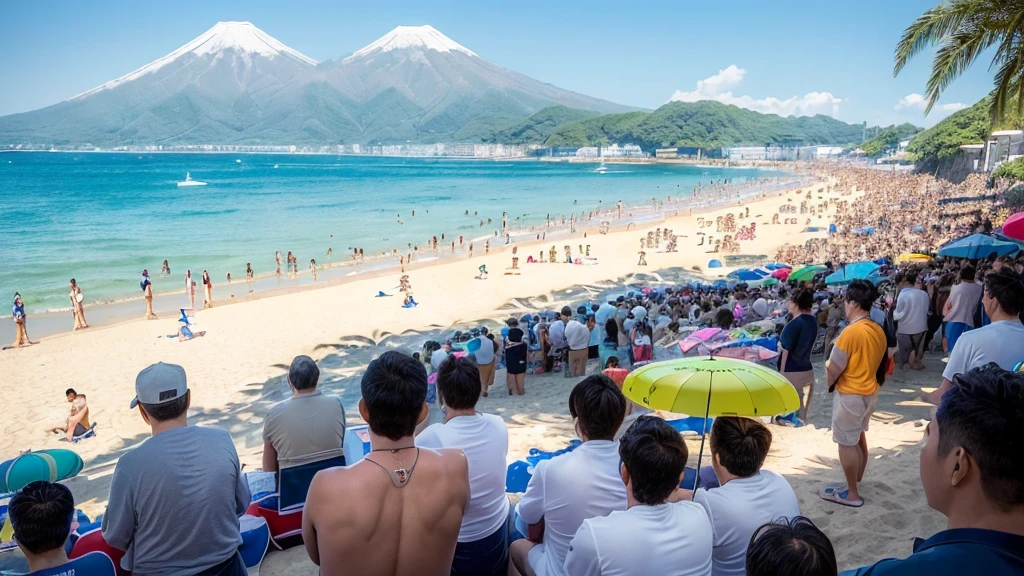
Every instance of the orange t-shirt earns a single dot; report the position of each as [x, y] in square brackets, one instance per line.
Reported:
[864, 344]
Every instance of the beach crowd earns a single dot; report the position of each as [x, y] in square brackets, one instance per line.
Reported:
[430, 498]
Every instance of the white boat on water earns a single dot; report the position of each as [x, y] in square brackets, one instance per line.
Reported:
[190, 182]
[601, 169]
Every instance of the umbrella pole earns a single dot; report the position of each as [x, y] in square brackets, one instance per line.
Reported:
[703, 435]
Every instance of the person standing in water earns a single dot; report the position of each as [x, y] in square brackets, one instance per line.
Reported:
[166, 268]
[207, 290]
[77, 309]
[312, 267]
[249, 274]
[147, 291]
[277, 258]
[190, 289]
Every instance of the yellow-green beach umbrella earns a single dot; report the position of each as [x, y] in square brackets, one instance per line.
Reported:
[913, 257]
[806, 273]
[716, 387]
[713, 387]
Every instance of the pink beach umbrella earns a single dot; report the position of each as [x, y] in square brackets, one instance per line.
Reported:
[1014, 226]
[782, 273]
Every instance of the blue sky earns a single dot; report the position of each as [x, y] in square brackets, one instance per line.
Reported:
[791, 56]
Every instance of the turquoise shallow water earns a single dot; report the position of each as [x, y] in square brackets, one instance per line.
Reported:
[102, 218]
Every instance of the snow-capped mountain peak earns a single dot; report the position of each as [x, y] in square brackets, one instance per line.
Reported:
[403, 37]
[240, 37]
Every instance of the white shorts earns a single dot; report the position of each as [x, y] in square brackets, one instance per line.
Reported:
[851, 414]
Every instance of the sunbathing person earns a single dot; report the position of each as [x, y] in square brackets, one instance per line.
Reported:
[78, 421]
[585, 483]
[408, 513]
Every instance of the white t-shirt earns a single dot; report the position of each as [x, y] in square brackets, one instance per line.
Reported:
[911, 311]
[484, 440]
[964, 297]
[740, 507]
[577, 335]
[567, 490]
[999, 342]
[664, 540]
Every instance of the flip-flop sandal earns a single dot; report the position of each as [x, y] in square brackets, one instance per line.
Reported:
[838, 495]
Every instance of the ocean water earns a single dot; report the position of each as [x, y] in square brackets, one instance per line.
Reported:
[103, 217]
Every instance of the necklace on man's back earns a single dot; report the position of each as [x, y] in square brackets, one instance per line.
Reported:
[399, 476]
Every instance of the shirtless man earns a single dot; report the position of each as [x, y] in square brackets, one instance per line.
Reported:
[78, 422]
[147, 291]
[411, 500]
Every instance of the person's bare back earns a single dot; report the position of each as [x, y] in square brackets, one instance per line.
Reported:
[357, 521]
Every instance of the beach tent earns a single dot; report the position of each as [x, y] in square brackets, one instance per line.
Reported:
[715, 264]
[1014, 226]
[851, 272]
[806, 273]
[977, 246]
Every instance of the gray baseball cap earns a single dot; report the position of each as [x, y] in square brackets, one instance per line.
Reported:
[159, 383]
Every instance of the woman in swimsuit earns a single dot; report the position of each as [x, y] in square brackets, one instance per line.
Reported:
[77, 309]
[207, 290]
[312, 267]
[166, 268]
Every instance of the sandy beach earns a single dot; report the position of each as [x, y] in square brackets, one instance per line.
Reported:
[236, 372]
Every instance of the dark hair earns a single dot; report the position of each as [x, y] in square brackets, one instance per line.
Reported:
[983, 413]
[458, 383]
[70, 391]
[740, 443]
[610, 360]
[599, 405]
[41, 515]
[654, 455]
[794, 547]
[724, 319]
[912, 277]
[566, 311]
[862, 293]
[303, 373]
[967, 273]
[394, 388]
[611, 328]
[167, 410]
[1007, 288]
[804, 299]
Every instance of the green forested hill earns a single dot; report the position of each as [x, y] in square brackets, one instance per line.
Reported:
[706, 124]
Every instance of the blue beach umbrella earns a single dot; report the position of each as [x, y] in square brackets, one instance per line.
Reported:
[719, 284]
[851, 272]
[748, 275]
[977, 246]
[715, 264]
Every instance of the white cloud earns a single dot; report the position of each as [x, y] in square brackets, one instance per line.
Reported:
[919, 102]
[719, 88]
[911, 101]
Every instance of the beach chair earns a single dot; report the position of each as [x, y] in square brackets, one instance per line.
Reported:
[255, 541]
[90, 542]
[283, 510]
[92, 563]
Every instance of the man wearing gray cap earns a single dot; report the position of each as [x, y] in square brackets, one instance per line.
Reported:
[175, 499]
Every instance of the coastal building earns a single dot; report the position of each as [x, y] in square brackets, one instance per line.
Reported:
[1003, 146]
[974, 156]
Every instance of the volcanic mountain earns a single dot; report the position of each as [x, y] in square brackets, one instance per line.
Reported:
[235, 84]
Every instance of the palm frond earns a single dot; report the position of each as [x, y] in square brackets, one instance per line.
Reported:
[955, 56]
[932, 27]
